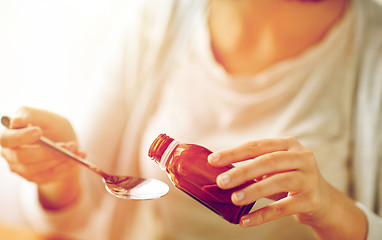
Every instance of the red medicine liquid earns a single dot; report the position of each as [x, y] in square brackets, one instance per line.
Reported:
[189, 170]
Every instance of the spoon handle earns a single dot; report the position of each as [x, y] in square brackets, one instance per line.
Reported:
[47, 142]
[5, 120]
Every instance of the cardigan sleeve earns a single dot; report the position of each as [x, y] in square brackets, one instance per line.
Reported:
[70, 222]
[374, 221]
[366, 165]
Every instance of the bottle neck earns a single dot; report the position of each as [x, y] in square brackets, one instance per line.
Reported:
[161, 150]
[167, 154]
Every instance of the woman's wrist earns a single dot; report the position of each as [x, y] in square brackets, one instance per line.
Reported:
[339, 218]
[60, 194]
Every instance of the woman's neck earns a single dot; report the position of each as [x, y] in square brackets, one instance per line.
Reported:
[248, 36]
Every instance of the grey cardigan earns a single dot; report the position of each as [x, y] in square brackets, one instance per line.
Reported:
[367, 145]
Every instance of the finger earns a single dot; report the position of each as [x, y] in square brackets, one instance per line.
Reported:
[278, 183]
[267, 164]
[34, 162]
[82, 154]
[250, 150]
[71, 146]
[54, 173]
[33, 168]
[57, 173]
[33, 153]
[26, 154]
[26, 116]
[282, 208]
[10, 138]
[42, 153]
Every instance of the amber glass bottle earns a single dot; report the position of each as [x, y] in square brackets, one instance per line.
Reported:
[189, 170]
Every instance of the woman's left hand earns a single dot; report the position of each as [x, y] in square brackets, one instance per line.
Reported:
[286, 172]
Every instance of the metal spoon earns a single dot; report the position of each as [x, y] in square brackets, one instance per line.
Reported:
[121, 186]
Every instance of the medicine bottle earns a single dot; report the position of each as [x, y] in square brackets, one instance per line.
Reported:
[189, 171]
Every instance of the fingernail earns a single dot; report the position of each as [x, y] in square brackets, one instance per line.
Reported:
[246, 221]
[36, 133]
[238, 196]
[72, 148]
[214, 157]
[223, 180]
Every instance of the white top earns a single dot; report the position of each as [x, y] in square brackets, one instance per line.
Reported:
[180, 90]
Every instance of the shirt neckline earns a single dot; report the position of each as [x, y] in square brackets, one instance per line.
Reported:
[303, 60]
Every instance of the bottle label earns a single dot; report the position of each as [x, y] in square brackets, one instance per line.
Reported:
[167, 154]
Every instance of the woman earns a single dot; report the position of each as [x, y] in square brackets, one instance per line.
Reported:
[221, 74]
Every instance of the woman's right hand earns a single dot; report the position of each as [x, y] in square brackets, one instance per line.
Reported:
[54, 173]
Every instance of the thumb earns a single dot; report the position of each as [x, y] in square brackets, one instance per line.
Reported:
[10, 138]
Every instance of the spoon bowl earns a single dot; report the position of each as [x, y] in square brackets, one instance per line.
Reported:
[135, 188]
[125, 187]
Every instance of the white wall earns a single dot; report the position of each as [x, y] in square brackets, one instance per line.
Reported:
[47, 49]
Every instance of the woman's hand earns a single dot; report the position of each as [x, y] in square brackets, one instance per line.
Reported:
[37, 163]
[288, 173]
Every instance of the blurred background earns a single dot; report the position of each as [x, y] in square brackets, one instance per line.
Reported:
[47, 54]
